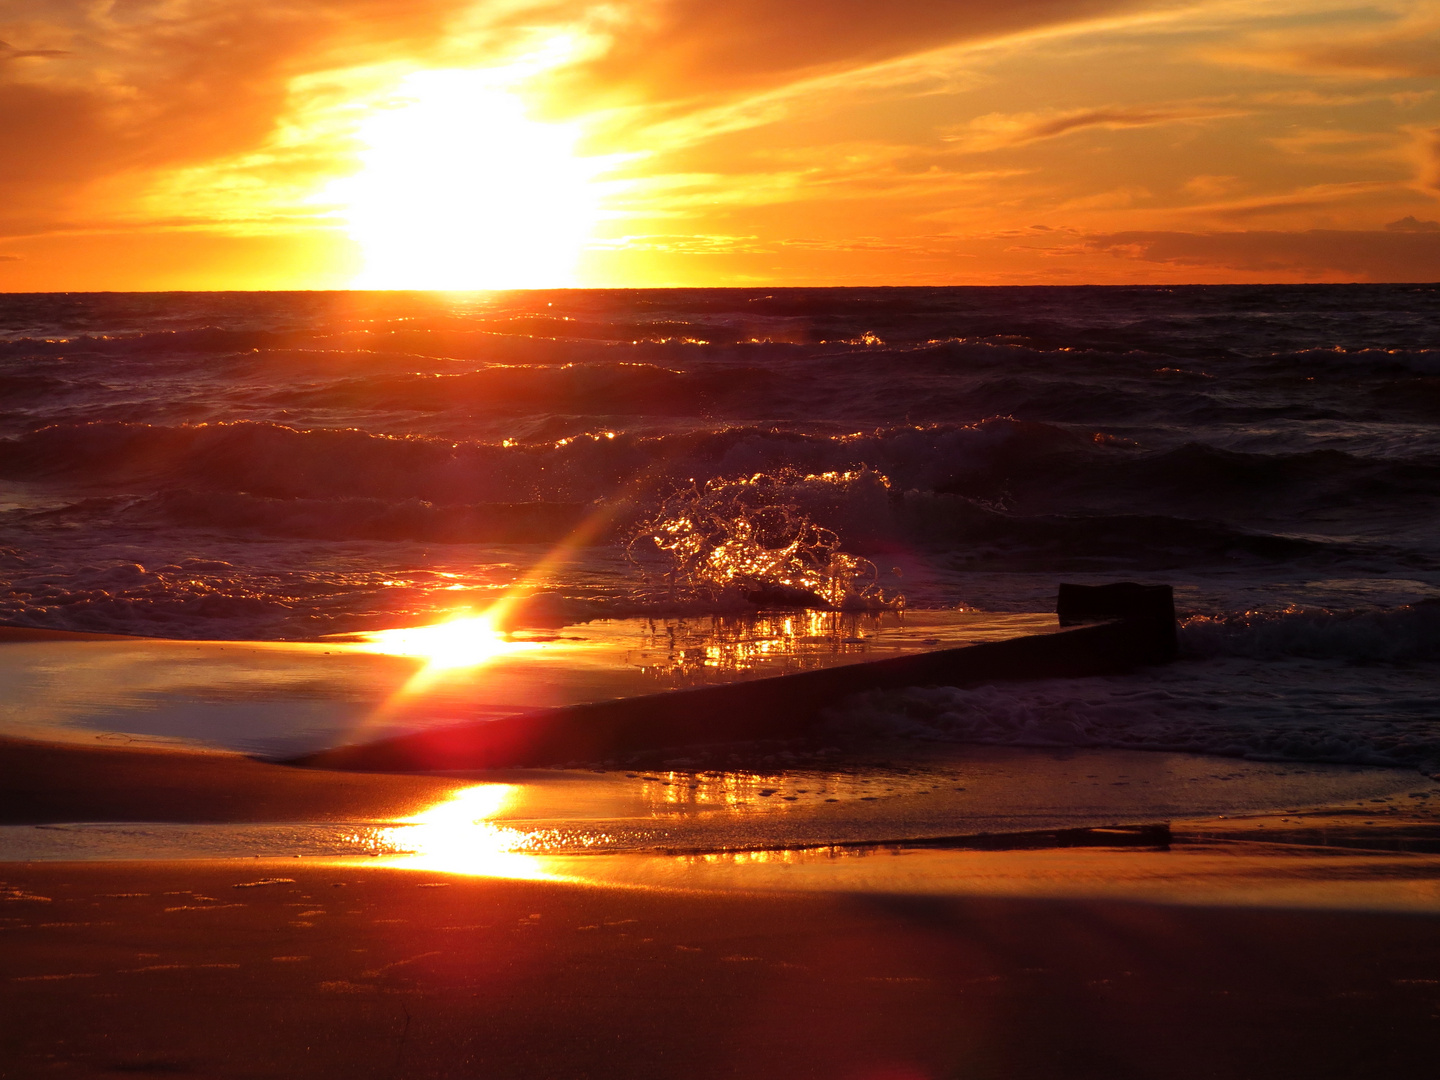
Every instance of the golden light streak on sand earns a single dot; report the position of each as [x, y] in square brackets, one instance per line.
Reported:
[457, 836]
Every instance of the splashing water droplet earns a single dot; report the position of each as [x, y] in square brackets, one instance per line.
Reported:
[749, 536]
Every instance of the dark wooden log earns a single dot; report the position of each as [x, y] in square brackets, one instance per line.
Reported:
[1151, 606]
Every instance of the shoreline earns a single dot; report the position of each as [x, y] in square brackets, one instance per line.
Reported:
[1246, 949]
[961, 821]
[917, 789]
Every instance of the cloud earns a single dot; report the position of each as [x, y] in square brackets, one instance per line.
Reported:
[101, 92]
[995, 130]
[94, 91]
[1399, 57]
[1327, 199]
[11, 258]
[1210, 185]
[174, 114]
[686, 244]
[1407, 49]
[1426, 151]
[678, 49]
[1409, 224]
[1318, 254]
[10, 52]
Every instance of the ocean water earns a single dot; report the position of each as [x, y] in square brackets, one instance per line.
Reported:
[289, 465]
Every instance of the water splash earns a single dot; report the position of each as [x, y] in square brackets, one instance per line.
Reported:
[751, 537]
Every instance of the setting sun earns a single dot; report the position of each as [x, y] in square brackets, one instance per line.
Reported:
[460, 189]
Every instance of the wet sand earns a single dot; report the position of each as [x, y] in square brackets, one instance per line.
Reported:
[60, 782]
[197, 969]
[868, 795]
[868, 961]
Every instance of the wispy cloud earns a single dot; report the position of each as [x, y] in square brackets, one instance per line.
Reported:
[1408, 48]
[10, 52]
[685, 49]
[994, 131]
[1319, 254]
[1315, 197]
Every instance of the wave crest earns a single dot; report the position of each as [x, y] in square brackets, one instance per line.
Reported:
[1396, 636]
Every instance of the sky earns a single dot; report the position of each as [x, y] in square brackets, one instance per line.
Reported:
[440, 144]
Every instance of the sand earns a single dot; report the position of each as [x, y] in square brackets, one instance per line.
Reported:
[196, 969]
[36, 633]
[50, 782]
[876, 962]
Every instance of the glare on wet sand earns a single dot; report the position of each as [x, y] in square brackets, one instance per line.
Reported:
[458, 836]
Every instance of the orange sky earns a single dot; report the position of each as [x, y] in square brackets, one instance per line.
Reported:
[209, 144]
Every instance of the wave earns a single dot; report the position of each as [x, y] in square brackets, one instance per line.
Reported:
[31, 386]
[942, 486]
[1282, 714]
[278, 460]
[596, 389]
[193, 598]
[1418, 397]
[981, 535]
[862, 515]
[201, 341]
[362, 519]
[1347, 688]
[1200, 475]
[1400, 635]
[1355, 362]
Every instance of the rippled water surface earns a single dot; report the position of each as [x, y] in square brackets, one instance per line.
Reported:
[283, 466]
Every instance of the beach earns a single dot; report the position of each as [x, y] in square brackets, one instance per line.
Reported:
[334, 972]
[1297, 942]
[686, 539]
[293, 586]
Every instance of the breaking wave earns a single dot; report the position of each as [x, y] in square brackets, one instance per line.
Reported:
[754, 537]
[1408, 634]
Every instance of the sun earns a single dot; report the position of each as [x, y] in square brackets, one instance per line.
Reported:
[460, 189]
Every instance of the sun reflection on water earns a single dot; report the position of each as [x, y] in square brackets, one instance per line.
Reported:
[668, 791]
[783, 857]
[793, 640]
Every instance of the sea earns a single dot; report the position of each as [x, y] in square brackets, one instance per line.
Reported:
[285, 466]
